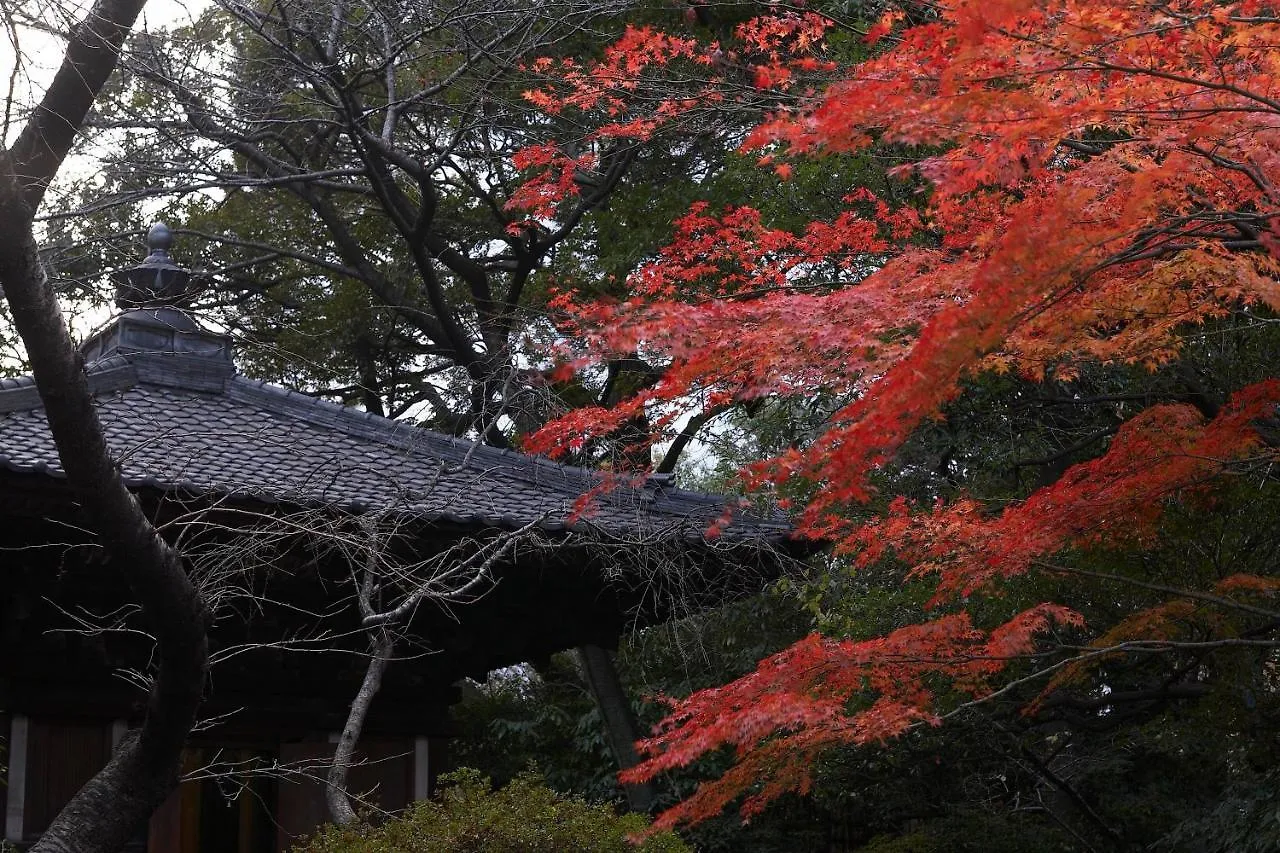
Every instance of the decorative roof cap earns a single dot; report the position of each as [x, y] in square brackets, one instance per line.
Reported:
[151, 321]
[155, 282]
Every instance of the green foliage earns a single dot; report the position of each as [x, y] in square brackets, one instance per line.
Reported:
[1246, 820]
[972, 832]
[521, 718]
[525, 816]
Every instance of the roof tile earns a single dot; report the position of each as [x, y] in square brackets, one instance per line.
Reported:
[246, 438]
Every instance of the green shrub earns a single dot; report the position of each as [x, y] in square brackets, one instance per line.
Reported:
[469, 817]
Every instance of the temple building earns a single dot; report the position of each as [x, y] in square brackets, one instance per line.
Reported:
[277, 499]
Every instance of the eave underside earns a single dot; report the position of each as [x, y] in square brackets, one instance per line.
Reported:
[556, 595]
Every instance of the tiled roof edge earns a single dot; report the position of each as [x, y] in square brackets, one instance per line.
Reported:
[105, 376]
[585, 529]
[119, 372]
[540, 471]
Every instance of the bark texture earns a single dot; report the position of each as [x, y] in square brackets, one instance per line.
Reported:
[111, 807]
[340, 809]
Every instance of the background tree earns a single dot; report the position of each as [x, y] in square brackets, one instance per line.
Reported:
[359, 188]
[363, 158]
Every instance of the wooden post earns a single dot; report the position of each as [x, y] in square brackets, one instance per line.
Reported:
[16, 789]
[421, 768]
[619, 723]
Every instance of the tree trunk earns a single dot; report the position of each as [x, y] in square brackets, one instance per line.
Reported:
[339, 801]
[619, 722]
[110, 808]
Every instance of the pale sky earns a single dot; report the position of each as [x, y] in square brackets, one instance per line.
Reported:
[30, 52]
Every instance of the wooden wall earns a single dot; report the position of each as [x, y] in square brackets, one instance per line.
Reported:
[383, 781]
[6, 752]
[61, 756]
[56, 756]
[246, 813]
[268, 814]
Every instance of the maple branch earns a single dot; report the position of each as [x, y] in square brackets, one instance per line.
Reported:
[1071, 830]
[1147, 397]
[1071, 793]
[1092, 64]
[1082, 147]
[1066, 451]
[1085, 653]
[1251, 171]
[1207, 597]
[1181, 690]
[1165, 646]
[1173, 77]
[1143, 250]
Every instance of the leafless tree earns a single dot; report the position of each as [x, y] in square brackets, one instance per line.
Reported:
[387, 596]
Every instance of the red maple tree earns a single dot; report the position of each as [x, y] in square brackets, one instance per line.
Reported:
[1104, 175]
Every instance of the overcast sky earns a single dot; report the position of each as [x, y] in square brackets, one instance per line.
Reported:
[30, 51]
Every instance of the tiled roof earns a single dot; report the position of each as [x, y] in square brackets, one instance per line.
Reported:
[184, 423]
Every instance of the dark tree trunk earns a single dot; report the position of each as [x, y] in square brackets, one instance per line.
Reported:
[110, 808]
[144, 769]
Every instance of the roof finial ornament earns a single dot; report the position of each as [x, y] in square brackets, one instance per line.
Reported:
[159, 239]
[157, 282]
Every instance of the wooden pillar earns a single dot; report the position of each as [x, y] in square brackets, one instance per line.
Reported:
[421, 768]
[16, 789]
[619, 723]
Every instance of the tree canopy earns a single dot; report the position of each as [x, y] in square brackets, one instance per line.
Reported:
[1098, 234]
